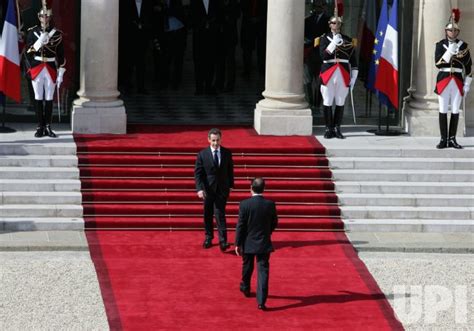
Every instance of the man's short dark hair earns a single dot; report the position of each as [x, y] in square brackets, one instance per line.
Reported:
[215, 131]
[258, 185]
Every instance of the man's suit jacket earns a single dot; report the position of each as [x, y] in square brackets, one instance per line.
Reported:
[257, 220]
[208, 177]
[202, 20]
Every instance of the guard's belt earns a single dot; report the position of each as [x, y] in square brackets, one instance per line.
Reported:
[336, 61]
[450, 70]
[45, 59]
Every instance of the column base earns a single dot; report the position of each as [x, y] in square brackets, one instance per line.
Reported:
[283, 122]
[421, 123]
[98, 118]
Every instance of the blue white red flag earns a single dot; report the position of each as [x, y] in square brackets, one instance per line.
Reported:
[386, 79]
[10, 74]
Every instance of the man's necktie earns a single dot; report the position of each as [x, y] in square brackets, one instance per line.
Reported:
[216, 159]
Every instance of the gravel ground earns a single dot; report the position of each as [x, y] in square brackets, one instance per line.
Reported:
[49, 291]
[427, 291]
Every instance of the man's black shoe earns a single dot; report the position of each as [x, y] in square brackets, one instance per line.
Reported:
[207, 243]
[262, 307]
[223, 246]
[246, 292]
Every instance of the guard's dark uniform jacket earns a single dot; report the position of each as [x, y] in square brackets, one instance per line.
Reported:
[459, 65]
[343, 57]
[50, 55]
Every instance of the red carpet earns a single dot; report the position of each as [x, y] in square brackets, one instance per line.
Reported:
[164, 280]
[145, 179]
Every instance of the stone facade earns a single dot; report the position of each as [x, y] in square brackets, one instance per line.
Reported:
[283, 111]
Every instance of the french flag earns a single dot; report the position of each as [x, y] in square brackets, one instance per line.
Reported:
[10, 56]
[386, 80]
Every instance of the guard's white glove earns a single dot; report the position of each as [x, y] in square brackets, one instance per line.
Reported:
[467, 84]
[335, 41]
[60, 77]
[354, 74]
[453, 48]
[42, 40]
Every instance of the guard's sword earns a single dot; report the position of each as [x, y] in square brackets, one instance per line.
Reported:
[59, 104]
[353, 109]
[352, 99]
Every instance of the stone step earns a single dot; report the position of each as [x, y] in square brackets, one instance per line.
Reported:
[401, 163]
[38, 161]
[390, 187]
[402, 212]
[407, 200]
[40, 185]
[32, 198]
[395, 151]
[403, 175]
[41, 224]
[41, 210]
[39, 173]
[38, 147]
[409, 225]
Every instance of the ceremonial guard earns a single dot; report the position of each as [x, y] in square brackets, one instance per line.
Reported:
[45, 54]
[454, 79]
[338, 72]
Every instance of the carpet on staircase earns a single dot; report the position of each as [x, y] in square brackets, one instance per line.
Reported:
[145, 179]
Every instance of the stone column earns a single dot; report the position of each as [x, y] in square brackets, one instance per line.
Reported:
[284, 110]
[421, 108]
[98, 109]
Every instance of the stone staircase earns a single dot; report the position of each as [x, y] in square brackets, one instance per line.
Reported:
[39, 185]
[413, 190]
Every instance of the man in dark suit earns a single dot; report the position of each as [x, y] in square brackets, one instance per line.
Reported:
[136, 22]
[257, 220]
[214, 176]
[206, 19]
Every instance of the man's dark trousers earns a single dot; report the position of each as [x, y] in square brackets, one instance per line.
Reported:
[215, 203]
[263, 269]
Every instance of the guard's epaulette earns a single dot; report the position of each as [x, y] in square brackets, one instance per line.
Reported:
[354, 42]
[316, 42]
[34, 26]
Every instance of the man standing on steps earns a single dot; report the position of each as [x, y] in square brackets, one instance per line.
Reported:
[46, 63]
[454, 79]
[257, 220]
[338, 72]
[214, 176]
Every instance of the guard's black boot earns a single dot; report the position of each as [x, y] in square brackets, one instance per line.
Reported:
[39, 132]
[338, 114]
[453, 128]
[40, 118]
[443, 129]
[328, 122]
[49, 132]
[48, 112]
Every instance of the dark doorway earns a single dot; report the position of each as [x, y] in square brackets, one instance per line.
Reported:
[179, 100]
